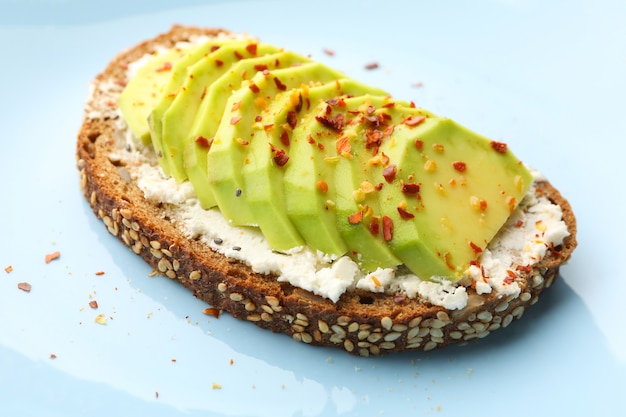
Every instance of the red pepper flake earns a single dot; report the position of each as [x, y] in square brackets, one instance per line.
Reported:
[477, 249]
[254, 88]
[310, 140]
[99, 273]
[389, 173]
[251, 48]
[510, 277]
[410, 188]
[322, 186]
[236, 106]
[8, 269]
[292, 119]
[355, 218]
[344, 147]
[52, 256]
[446, 259]
[165, 67]
[404, 214]
[499, 147]
[279, 84]
[374, 225]
[24, 286]
[413, 120]
[260, 67]
[203, 142]
[389, 131]
[519, 223]
[281, 158]
[387, 228]
[238, 54]
[258, 118]
[329, 52]
[371, 66]
[93, 304]
[219, 62]
[524, 268]
[212, 311]
[419, 144]
[234, 120]
[335, 123]
[320, 146]
[459, 166]
[373, 139]
[215, 48]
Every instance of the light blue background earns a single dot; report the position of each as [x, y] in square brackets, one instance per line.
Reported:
[547, 77]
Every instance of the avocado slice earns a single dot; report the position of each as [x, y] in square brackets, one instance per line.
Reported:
[309, 180]
[237, 129]
[280, 205]
[210, 114]
[175, 81]
[370, 120]
[144, 90]
[446, 192]
[178, 118]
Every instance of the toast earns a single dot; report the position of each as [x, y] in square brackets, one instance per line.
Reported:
[360, 322]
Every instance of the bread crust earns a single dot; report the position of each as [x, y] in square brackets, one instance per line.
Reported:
[360, 322]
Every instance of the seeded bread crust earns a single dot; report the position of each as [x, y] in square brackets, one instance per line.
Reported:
[361, 322]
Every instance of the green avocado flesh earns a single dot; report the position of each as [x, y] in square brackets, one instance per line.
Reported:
[314, 158]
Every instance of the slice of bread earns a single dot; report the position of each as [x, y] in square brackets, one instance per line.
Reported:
[360, 322]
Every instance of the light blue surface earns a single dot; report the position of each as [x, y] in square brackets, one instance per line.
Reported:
[547, 77]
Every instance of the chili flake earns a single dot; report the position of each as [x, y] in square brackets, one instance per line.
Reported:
[403, 213]
[212, 311]
[165, 67]
[203, 142]
[389, 173]
[251, 48]
[413, 120]
[387, 228]
[371, 66]
[234, 120]
[459, 166]
[355, 218]
[254, 88]
[499, 147]
[52, 256]
[279, 84]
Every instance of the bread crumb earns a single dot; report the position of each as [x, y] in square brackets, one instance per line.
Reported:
[216, 385]
[52, 256]
[24, 286]
[101, 319]
[8, 269]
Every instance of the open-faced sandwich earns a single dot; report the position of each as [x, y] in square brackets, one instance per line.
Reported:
[289, 195]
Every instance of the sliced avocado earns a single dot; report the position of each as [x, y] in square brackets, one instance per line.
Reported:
[145, 89]
[174, 83]
[236, 130]
[310, 183]
[181, 114]
[178, 118]
[451, 192]
[370, 121]
[210, 114]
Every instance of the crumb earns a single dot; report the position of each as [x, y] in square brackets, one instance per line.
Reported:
[156, 394]
[8, 269]
[24, 286]
[93, 304]
[52, 256]
[232, 362]
[329, 52]
[371, 66]
[53, 356]
[212, 311]
[153, 273]
[173, 360]
[101, 319]
[100, 273]
[216, 386]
